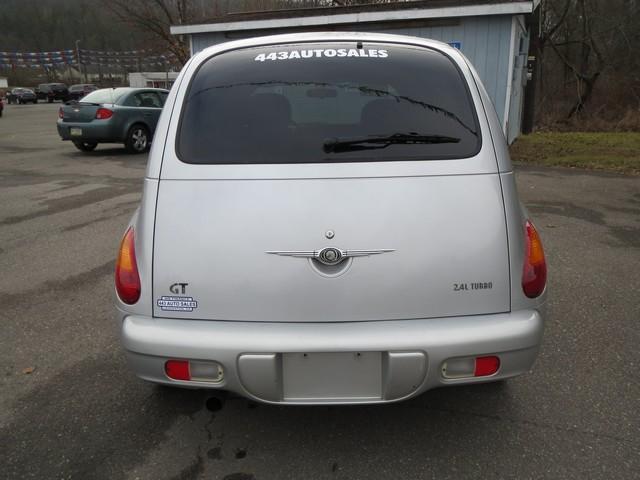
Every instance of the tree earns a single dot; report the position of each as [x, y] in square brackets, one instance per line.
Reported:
[582, 42]
[585, 63]
[155, 18]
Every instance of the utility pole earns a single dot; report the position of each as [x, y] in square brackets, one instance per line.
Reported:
[80, 65]
[166, 72]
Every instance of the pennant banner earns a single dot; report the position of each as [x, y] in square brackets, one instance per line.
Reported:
[36, 54]
[129, 59]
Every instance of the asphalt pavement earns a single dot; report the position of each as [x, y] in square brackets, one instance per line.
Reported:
[70, 408]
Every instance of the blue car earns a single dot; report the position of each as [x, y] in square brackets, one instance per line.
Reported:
[112, 115]
[21, 96]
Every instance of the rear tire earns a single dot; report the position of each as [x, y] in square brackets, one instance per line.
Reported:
[50, 100]
[85, 146]
[137, 140]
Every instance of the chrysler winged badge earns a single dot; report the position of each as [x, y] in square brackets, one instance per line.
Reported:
[330, 255]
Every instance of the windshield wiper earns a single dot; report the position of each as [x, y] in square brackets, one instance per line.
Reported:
[369, 142]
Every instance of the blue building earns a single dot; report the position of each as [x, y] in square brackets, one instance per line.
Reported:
[493, 34]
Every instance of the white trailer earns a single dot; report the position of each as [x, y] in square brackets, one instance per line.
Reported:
[152, 79]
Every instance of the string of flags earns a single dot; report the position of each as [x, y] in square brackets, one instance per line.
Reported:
[72, 57]
[111, 53]
[37, 59]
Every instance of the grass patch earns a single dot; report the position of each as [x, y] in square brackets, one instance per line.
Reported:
[614, 151]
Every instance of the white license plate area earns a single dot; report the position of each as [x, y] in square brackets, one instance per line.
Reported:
[332, 376]
[75, 132]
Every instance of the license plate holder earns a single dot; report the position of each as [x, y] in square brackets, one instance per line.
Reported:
[333, 376]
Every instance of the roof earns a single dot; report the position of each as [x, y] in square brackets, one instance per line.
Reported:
[310, 37]
[155, 74]
[368, 13]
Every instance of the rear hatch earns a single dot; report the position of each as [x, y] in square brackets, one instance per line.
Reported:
[274, 163]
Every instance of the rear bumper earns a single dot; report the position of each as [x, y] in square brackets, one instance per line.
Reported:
[97, 131]
[413, 351]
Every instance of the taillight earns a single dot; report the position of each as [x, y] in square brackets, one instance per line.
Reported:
[534, 271]
[127, 278]
[104, 113]
[60, 113]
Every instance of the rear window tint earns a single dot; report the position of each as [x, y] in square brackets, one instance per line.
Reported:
[146, 100]
[318, 103]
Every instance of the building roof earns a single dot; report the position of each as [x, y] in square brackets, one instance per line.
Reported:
[367, 13]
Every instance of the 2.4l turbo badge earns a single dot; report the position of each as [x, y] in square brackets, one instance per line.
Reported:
[461, 287]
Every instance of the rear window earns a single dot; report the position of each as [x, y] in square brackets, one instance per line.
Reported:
[317, 103]
[106, 95]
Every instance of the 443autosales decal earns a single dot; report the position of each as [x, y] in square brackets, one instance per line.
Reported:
[323, 52]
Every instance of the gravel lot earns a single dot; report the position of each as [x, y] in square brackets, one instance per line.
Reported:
[81, 414]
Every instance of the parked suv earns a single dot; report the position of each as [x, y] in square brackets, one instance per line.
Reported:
[330, 218]
[76, 92]
[53, 91]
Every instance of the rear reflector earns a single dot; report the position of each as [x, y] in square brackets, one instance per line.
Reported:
[534, 270]
[177, 369]
[194, 371]
[486, 366]
[466, 367]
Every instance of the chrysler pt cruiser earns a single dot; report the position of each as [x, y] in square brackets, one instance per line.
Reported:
[330, 218]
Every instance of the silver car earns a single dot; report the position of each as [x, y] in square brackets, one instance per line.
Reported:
[330, 218]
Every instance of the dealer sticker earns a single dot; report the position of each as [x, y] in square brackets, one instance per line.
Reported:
[177, 304]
